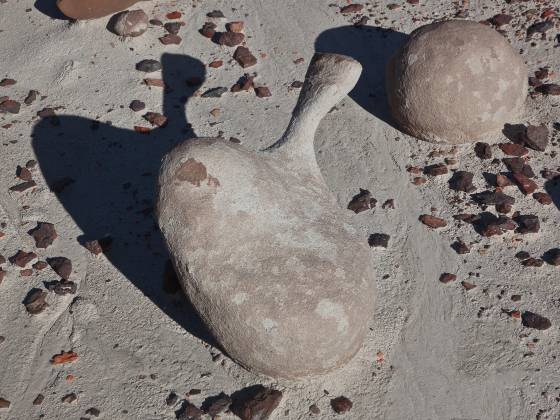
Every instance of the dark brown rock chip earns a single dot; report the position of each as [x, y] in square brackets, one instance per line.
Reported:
[40, 265]
[23, 173]
[513, 149]
[432, 221]
[236, 26]
[522, 255]
[35, 301]
[92, 411]
[244, 57]
[388, 204]
[258, 404]
[466, 217]
[379, 240]
[24, 186]
[2, 259]
[462, 181]
[549, 89]
[61, 266]
[170, 39]
[173, 27]
[262, 92]
[2, 275]
[515, 164]
[155, 118]
[528, 223]
[22, 258]
[61, 287]
[137, 105]
[526, 185]
[500, 19]
[31, 97]
[230, 39]
[460, 247]
[362, 201]
[436, 170]
[483, 150]
[216, 405]
[539, 28]
[314, 409]
[341, 404]
[39, 399]
[503, 181]
[492, 198]
[188, 411]
[94, 247]
[44, 234]
[467, 285]
[171, 399]
[216, 14]
[532, 262]
[10, 106]
[351, 8]
[447, 278]
[208, 30]
[244, 83]
[4, 403]
[7, 82]
[536, 137]
[533, 320]
[515, 298]
[552, 256]
[543, 198]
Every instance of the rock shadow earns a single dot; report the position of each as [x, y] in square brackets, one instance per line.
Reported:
[49, 8]
[105, 177]
[372, 47]
[552, 187]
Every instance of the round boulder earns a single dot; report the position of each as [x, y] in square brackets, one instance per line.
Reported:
[455, 82]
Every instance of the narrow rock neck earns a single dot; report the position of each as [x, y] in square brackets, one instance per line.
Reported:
[330, 78]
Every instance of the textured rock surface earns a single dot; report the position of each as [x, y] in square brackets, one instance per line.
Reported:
[456, 82]
[92, 9]
[129, 23]
[264, 252]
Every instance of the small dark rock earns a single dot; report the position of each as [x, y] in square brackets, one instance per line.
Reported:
[483, 150]
[460, 247]
[93, 412]
[462, 181]
[341, 404]
[549, 89]
[173, 27]
[257, 405]
[35, 301]
[208, 30]
[379, 240]
[10, 106]
[513, 149]
[552, 256]
[533, 320]
[44, 234]
[447, 278]
[492, 198]
[532, 262]
[526, 185]
[137, 105]
[542, 198]
[244, 57]
[61, 266]
[31, 97]
[436, 170]
[39, 399]
[22, 258]
[188, 411]
[171, 399]
[170, 39]
[362, 201]
[216, 405]
[148, 66]
[522, 255]
[536, 137]
[262, 92]
[215, 14]
[61, 287]
[501, 19]
[23, 186]
[539, 28]
[214, 92]
[230, 39]
[528, 223]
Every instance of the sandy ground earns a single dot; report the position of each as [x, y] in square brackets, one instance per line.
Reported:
[434, 351]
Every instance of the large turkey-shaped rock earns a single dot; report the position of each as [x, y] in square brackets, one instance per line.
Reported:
[265, 254]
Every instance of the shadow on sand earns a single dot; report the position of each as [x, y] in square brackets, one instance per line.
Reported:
[372, 47]
[105, 177]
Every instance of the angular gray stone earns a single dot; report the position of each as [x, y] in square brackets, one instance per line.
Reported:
[455, 82]
[267, 257]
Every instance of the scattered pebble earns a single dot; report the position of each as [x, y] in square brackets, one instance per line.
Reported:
[536, 137]
[513, 149]
[468, 286]
[263, 92]
[188, 411]
[170, 39]
[533, 320]
[92, 411]
[483, 150]
[24, 186]
[462, 181]
[549, 89]
[7, 82]
[460, 247]
[432, 221]
[351, 8]
[31, 97]
[528, 223]
[61, 266]
[341, 404]
[39, 399]
[436, 170]
[173, 27]
[61, 287]
[148, 66]
[208, 30]
[174, 15]
[447, 278]
[64, 357]
[10, 106]
[216, 64]
[137, 105]
[244, 57]
[526, 185]
[131, 23]
[362, 201]
[35, 301]
[259, 404]
[171, 399]
[4, 403]
[44, 234]
[217, 14]
[217, 405]
[69, 398]
[378, 240]
[214, 92]
[230, 39]
[236, 26]
[22, 258]
[155, 118]
[552, 256]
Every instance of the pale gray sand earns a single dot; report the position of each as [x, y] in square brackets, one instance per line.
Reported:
[434, 351]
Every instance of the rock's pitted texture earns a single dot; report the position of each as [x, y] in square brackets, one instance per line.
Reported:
[265, 254]
[456, 81]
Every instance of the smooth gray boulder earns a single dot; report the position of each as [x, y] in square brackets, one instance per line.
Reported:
[262, 249]
[456, 81]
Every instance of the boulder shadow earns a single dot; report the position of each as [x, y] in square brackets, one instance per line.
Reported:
[372, 47]
[105, 177]
[49, 8]
[552, 187]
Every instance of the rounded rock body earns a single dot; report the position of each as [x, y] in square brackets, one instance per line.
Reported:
[456, 82]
